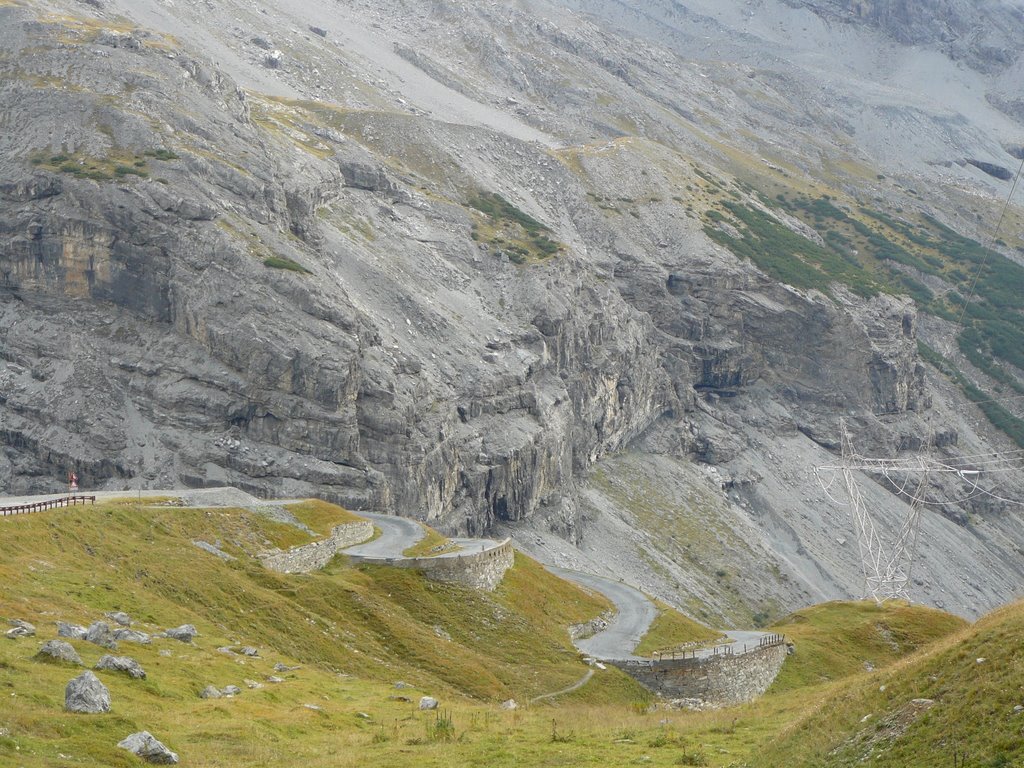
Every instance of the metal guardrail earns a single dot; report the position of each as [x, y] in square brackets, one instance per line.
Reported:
[40, 506]
[730, 649]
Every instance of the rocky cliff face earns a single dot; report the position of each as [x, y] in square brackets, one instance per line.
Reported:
[451, 292]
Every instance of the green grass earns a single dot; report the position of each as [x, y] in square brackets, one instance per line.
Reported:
[321, 516]
[431, 545]
[510, 230]
[972, 712]
[672, 630]
[117, 164]
[283, 262]
[836, 640]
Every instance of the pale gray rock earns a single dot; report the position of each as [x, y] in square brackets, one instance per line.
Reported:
[86, 694]
[210, 692]
[428, 702]
[248, 650]
[125, 664]
[74, 631]
[121, 618]
[58, 650]
[185, 633]
[148, 748]
[231, 690]
[510, 704]
[274, 679]
[253, 684]
[29, 629]
[132, 636]
[18, 632]
[99, 633]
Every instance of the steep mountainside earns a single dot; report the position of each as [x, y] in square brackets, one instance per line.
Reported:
[451, 261]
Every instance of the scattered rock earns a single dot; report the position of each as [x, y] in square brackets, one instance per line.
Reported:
[87, 695]
[121, 618]
[132, 636]
[29, 629]
[165, 653]
[981, 660]
[403, 699]
[510, 704]
[274, 679]
[124, 664]
[1018, 709]
[148, 748]
[996, 171]
[185, 633]
[314, 707]
[99, 633]
[363, 716]
[252, 684]
[262, 42]
[16, 632]
[273, 59]
[869, 667]
[401, 685]
[231, 690]
[279, 667]
[318, 31]
[58, 650]
[248, 650]
[428, 702]
[210, 692]
[74, 631]
[213, 549]
[442, 633]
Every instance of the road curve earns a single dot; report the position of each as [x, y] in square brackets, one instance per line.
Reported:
[634, 614]
[397, 534]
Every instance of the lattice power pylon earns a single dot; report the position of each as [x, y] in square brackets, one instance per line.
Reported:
[887, 561]
[886, 564]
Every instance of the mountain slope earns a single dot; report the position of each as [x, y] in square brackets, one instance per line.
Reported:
[447, 269]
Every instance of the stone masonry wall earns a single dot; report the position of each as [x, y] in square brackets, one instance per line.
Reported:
[314, 556]
[721, 680]
[476, 570]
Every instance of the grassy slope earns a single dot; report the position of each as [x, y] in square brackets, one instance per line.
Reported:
[372, 625]
[354, 631]
[973, 711]
[837, 640]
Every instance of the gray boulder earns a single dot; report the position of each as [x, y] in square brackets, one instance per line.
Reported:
[121, 618]
[185, 633]
[231, 690]
[132, 636]
[58, 650]
[210, 692]
[99, 632]
[29, 629]
[148, 748]
[14, 634]
[124, 664]
[74, 631]
[248, 650]
[87, 695]
[428, 702]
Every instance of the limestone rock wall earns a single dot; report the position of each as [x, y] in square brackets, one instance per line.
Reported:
[314, 556]
[722, 680]
[475, 570]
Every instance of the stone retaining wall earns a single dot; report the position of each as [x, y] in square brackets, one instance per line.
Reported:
[476, 570]
[314, 556]
[721, 680]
